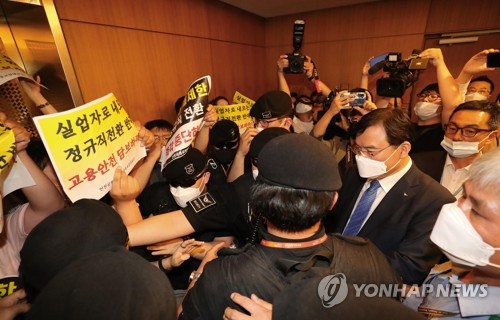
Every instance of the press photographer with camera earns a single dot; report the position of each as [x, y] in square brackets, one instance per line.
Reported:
[381, 101]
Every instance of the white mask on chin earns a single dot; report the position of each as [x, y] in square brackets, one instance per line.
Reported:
[426, 110]
[475, 96]
[458, 239]
[370, 168]
[300, 126]
[183, 195]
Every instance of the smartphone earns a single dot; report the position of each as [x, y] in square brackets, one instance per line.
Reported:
[493, 60]
[377, 59]
[358, 99]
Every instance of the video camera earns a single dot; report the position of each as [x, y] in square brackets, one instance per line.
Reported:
[295, 59]
[402, 73]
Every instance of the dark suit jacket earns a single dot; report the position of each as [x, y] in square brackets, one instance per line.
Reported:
[431, 163]
[401, 224]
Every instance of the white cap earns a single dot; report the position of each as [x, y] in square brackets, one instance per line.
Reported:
[302, 108]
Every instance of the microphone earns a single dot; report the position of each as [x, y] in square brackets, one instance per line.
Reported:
[376, 67]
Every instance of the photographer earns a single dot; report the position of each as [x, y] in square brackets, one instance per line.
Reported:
[382, 102]
[303, 114]
[333, 127]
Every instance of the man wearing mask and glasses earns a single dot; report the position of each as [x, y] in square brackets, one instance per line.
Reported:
[387, 199]
[472, 129]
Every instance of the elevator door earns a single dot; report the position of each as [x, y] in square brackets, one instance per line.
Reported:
[26, 38]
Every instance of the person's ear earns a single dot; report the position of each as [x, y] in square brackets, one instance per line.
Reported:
[405, 149]
[334, 201]
[287, 123]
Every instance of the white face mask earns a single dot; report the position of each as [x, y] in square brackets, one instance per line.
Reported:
[255, 173]
[458, 239]
[369, 168]
[475, 96]
[300, 126]
[460, 149]
[426, 110]
[183, 195]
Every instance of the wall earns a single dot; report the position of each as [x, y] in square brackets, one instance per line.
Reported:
[148, 52]
[340, 40]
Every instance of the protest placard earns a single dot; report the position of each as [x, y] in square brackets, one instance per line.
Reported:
[87, 143]
[10, 70]
[189, 121]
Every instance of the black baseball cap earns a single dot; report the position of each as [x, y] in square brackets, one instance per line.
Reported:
[299, 161]
[272, 104]
[184, 171]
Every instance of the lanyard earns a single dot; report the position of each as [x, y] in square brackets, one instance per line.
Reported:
[294, 245]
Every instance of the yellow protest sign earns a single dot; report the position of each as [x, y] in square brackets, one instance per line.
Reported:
[86, 144]
[10, 70]
[8, 147]
[238, 113]
[239, 98]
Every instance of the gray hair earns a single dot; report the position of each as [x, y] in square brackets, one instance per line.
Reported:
[484, 171]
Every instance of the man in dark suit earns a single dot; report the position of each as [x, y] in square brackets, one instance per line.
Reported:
[387, 199]
[472, 129]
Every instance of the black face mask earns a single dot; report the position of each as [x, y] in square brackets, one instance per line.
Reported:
[224, 156]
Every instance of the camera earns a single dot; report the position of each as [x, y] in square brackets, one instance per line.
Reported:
[402, 74]
[296, 59]
[493, 60]
[357, 99]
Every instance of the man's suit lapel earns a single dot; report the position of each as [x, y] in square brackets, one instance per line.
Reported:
[349, 194]
[401, 192]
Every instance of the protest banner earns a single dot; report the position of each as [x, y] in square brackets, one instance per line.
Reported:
[189, 121]
[239, 98]
[87, 143]
[238, 113]
[8, 147]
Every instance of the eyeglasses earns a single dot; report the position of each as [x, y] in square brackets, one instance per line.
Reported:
[165, 138]
[429, 95]
[365, 152]
[186, 183]
[467, 132]
[265, 123]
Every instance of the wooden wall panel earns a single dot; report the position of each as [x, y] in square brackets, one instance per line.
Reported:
[231, 24]
[148, 52]
[236, 68]
[146, 71]
[340, 62]
[463, 15]
[376, 19]
[160, 47]
[169, 16]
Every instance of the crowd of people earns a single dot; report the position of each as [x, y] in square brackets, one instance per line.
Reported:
[326, 193]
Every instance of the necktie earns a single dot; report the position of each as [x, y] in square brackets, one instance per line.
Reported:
[361, 211]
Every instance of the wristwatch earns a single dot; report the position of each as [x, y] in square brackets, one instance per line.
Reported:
[194, 276]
